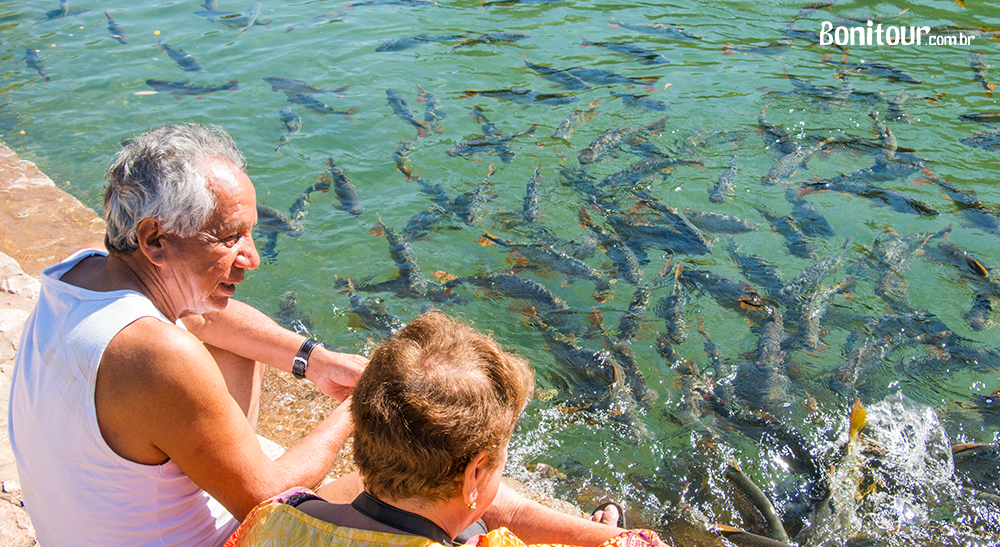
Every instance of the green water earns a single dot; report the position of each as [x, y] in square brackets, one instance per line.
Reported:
[71, 125]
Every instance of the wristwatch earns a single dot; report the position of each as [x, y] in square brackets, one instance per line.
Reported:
[301, 360]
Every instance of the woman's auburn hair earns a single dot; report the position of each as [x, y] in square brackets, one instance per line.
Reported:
[434, 395]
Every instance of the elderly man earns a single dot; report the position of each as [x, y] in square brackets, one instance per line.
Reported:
[136, 386]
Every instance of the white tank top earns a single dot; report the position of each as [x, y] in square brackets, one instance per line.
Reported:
[76, 489]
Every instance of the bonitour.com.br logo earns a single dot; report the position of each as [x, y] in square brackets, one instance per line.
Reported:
[888, 35]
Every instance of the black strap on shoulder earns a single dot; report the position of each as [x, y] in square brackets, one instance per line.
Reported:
[401, 520]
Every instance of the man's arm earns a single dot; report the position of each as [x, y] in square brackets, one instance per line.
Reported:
[534, 523]
[247, 332]
[160, 396]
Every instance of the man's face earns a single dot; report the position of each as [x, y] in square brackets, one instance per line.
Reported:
[207, 266]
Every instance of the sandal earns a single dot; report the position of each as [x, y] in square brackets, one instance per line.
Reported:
[621, 512]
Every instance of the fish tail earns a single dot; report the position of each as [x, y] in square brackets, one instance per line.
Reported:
[859, 419]
[586, 42]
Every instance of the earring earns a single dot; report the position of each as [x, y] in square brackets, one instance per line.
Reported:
[471, 506]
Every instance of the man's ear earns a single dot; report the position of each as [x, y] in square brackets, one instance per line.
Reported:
[151, 239]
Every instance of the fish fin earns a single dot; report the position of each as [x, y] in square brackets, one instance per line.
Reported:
[613, 26]
[961, 3]
[859, 419]
[443, 276]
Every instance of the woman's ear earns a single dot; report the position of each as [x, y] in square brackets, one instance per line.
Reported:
[475, 473]
[151, 239]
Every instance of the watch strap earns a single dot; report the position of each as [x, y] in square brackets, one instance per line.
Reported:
[301, 361]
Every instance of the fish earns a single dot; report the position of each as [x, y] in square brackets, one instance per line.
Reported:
[357, 3]
[609, 140]
[347, 194]
[292, 122]
[469, 206]
[775, 136]
[230, 19]
[977, 62]
[487, 3]
[589, 376]
[530, 208]
[563, 78]
[291, 85]
[698, 243]
[403, 163]
[300, 207]
[988, 118]
[60, 13]
[577, 117]
[787, 164]
[643, 169]
[116, 30]
[793, 292]
[513, 286]
[492, 38]
[980, 216]
[606, 77]
[318, 106]
[432, 109]
[877, 70]
[635, 385]
[815, 307]
[631, 319]
[755, 507]
[893, 255]
[667, 30]
[873, 352]
[522, 95]
[807, 218]
[185, 60]
[987, 140]
[795, 241]
[765, 380]
[494, 140]
[290, 316]
[420, 224]
[33, 60]
[725, 188]
[639, 53]
[735, 295]
[405, 260]
[640, 235]
[399, 44]
[894, 108]
[978, 316]
[375, 316]
[641, 102]
[773, 48]
[544, 255]
[270, 223]
[671, 309]
[756, 269]
[854, 183]
[183, 87]
[402, 109]
[623, 259]
[718, 223]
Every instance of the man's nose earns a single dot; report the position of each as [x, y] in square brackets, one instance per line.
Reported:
[248, 258]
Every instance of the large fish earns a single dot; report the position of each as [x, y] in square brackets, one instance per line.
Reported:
[807, 218]
[230, 19]
[402, 109]
[796, 242]
[544, 255]
[116, 30]
[300, 207]
[671, 309]
[577, 117]
[667, 30]
[639, 53]
[622, 257]
[344, 188]
[270, 223]
[877, 70]
[185, 60]
[562, 78]
[492, 38]
[787, 164]
[754, 505]
[738, 296]
[977, 62]
[291, 85]
[512, 286]
[987, 140]
[726, 185]
[183, 87]
[432, 106]
[641, 102]
[33, 60]
[530, 208]
[318, 106]
[765, 380]
[522, 95]
[610, 140]
[718, 223]
[854, 183]
[406, 261]
[980, 216]
[399, 44]
[292, 123]
[631, 319]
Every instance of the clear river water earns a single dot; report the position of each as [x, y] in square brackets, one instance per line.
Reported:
[423, 97]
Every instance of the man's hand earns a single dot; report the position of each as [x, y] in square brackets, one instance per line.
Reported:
[335, 374]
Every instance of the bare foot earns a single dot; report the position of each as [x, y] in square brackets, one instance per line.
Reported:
[607, 515]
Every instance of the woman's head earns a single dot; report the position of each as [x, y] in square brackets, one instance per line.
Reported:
[433, 396]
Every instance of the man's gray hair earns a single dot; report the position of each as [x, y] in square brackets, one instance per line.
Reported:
[159, 174]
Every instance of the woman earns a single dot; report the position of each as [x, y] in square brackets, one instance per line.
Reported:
[433, 414]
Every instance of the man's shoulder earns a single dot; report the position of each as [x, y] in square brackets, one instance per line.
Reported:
[149, 345]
